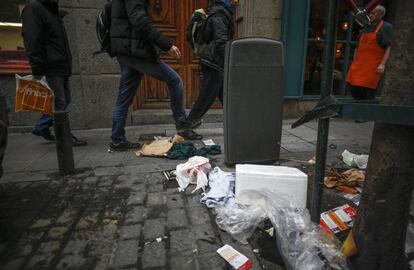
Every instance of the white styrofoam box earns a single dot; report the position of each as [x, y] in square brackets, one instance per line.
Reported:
[287, 180]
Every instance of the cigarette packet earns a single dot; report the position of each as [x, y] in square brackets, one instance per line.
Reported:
[237, 260]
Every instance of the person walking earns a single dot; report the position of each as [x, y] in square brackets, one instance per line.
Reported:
[371, 56]
[47, 48]
[218, 31]
[135, 42]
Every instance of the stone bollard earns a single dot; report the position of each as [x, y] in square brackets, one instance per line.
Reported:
[63, 143]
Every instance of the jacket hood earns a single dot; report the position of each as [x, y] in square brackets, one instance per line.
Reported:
[226, 3]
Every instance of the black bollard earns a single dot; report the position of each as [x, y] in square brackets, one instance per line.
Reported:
[63, 143]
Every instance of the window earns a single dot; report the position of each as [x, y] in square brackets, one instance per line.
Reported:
[12, 55]
[347, 33]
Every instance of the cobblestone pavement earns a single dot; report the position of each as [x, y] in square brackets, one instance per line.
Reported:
[96, 220]
[118, 211]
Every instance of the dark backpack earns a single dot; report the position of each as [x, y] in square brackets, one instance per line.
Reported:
[196, 31]
[103, 28]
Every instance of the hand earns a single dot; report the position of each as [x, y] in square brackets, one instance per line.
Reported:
[174, 52]
[381, 69]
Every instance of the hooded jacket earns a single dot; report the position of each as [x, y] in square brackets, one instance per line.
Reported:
[133, 32]
[219, 29]
[45, 39]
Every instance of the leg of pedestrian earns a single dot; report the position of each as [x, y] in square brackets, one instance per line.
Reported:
[128, 85]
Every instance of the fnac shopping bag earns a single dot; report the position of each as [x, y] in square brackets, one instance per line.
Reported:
[33, 95]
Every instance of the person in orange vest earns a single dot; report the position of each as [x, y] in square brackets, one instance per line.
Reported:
[371, 56]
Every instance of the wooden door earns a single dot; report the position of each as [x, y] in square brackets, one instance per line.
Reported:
[172, 17]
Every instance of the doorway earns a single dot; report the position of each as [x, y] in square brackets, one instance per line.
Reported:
[171, 18]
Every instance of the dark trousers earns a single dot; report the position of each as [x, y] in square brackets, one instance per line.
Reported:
[132, 72]
[361, 93]
[211, 87]
[61, 90]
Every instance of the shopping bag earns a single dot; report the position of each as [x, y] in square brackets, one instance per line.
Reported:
[33, 95]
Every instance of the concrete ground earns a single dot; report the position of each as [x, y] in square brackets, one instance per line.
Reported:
[118, 211]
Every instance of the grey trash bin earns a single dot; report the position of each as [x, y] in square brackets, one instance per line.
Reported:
[253, 100]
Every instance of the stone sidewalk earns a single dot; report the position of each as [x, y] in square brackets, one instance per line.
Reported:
[118, 211]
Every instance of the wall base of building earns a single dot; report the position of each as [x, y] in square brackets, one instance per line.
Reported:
[93, 98]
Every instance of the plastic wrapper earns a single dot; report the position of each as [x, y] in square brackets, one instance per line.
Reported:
[353, 160]
[240, 221]
[303, 245]
[193, 172]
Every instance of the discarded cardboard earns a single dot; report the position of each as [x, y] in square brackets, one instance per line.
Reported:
[158, 148]
[234, 258]
[338, 220]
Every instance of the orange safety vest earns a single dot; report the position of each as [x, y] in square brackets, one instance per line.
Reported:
[363, 70]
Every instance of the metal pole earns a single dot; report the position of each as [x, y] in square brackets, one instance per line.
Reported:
[4, 123]
[63, 143]
[331, 22]
[347, 53]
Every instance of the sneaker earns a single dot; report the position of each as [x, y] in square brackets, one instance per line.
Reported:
[123, 146]
[76, 142]
[44, 134]
[190, 135]
[193, 123]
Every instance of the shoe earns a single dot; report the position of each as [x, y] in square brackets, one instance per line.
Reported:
[44, 134]
[123, 146]
[193, 123]
[181, 125]
[76, 142]
[190, 135]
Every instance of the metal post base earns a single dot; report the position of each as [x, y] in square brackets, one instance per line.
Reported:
[63, 143]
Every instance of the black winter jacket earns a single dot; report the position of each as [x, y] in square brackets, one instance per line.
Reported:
[45, 39]
[133, 32]
[219, 29]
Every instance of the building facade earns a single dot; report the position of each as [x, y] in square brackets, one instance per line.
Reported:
[299, 24]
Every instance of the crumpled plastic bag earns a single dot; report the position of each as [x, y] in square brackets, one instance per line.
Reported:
[193, 172]
[303, 245]
[353, 160]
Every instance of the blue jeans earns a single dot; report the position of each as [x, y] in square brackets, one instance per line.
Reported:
[61, 90]
[132, 71]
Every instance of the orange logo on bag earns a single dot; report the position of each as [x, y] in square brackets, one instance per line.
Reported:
[33, 95]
